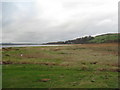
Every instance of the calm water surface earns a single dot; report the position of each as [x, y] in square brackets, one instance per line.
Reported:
[28, 45]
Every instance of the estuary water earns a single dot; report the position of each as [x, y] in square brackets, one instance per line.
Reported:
[27, 45]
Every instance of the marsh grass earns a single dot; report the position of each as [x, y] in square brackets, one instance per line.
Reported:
[73, 66]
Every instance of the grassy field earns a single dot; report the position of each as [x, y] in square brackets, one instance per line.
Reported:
[72, 66]
[106, 38]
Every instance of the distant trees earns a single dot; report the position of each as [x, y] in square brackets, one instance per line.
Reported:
[80, 40]
[75, 41]
[105, 38]
[83, 40]
[56, 42]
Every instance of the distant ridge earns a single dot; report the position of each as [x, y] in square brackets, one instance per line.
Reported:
[104, 38]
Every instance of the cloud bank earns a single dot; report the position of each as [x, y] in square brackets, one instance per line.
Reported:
[57, 20]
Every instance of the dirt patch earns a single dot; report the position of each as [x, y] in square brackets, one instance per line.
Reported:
[40, 63]
[64, 64]
[65, 53]
[10, 48]
[93, 62]
[56, 49]
[112, 70]
[16, 49]
[7, 62]
[44, 80]
[7, 49]
[116, 65]
[104, 53]
[49, 64]
[7, 55]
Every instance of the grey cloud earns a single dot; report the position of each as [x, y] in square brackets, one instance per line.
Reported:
[37, 29]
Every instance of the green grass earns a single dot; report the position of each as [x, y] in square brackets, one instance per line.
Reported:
[75, 66]
[61, 77]
[105, 38]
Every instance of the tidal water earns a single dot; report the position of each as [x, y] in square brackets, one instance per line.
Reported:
[27, 45]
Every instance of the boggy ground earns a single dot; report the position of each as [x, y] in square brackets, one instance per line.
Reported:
[72, 66]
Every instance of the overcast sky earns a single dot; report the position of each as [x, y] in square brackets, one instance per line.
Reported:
[57, 20]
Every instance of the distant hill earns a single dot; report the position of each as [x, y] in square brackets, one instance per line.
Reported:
[104, 38]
